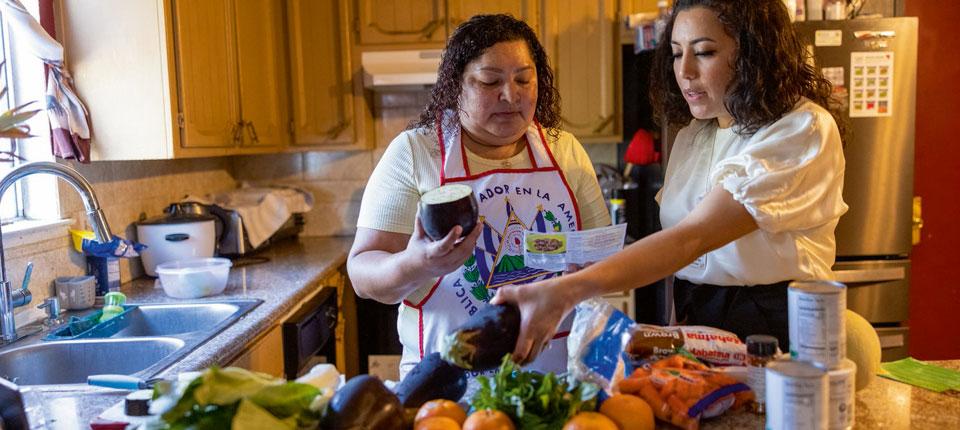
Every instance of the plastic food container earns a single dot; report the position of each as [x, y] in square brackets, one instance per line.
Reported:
[193, 278]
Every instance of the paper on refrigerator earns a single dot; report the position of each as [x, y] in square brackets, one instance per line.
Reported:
[554, 251]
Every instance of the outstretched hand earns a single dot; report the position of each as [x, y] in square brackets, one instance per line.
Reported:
[442, 256]
[543, 306]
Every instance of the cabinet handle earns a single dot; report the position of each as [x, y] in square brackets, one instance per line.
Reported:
[604, 122]
[237, 133]
[426, 31]
[252, 131]
[335, 131]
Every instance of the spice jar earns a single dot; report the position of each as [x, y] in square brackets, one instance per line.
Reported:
[761, 349]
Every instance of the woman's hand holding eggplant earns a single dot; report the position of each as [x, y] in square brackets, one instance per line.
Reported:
[441, 257]
[548, 302]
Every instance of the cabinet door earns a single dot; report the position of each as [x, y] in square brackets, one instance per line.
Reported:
[581, 40]
[386, 22]
[461, 10]
[206, 72]
[263, 79]
[265, 355]
[320, 70]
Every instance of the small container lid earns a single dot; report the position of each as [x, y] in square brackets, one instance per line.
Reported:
[175, 267]
[761, 345]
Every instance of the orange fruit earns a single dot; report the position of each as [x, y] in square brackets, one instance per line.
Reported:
[442, 408]
[488, 419]
[436, 423]
[590, 421]
[629, 412]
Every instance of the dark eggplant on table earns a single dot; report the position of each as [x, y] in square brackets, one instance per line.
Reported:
[482, 341]
[432, 378]
[363, 403]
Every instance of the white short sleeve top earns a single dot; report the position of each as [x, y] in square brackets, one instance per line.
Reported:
[789, 177]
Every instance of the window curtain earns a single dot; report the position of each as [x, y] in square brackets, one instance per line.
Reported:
[69, 120]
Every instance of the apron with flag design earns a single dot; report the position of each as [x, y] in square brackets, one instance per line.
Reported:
[511, 201]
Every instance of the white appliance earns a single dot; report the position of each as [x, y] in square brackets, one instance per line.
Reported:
[171, 238]
[403, 70]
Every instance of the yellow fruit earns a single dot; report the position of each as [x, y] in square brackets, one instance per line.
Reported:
[441, 408]
[436, 423]
[590, 421]
[488, 419]
[863, 348]
[628, 412]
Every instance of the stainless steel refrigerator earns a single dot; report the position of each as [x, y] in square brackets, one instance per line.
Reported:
[873, 65]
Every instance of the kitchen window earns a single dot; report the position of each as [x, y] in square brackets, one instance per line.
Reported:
[33, 198]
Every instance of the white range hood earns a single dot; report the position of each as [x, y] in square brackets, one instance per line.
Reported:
[411, 70]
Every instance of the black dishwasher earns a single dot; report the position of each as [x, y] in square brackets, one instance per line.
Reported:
[309, 335]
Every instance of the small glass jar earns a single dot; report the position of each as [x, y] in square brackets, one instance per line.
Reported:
[761, 349]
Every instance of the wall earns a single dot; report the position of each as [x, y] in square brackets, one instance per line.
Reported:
[935, 293]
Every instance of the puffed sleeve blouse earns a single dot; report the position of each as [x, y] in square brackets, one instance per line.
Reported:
[789, 177]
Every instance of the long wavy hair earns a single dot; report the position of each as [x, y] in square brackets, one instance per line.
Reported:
[467, 43]
[771, 70]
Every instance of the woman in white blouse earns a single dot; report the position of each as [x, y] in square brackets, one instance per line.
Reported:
[753, 189]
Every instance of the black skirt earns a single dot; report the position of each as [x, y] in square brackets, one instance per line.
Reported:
[757, 309]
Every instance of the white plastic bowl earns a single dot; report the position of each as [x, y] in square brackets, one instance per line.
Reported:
[193, 278]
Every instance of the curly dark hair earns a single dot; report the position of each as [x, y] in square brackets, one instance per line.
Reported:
[467, 43]
[771, 71]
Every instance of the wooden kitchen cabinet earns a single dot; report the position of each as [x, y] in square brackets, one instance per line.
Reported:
[231, 74]
[265, 353]
[427, 23]
[582, 41]
[329, 109]
[393, 22]
[179, 78]
[459, 11]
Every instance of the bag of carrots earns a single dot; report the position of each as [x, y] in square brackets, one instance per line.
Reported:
[681, 390]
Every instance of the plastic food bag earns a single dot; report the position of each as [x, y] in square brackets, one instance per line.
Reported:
[681, 390]
[712, 345]
[609, 349]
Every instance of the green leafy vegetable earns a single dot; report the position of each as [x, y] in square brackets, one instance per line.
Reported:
[533, 400]
[235, 398]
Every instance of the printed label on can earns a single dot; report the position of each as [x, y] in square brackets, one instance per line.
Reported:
[842, 400]
[796, 396]
[815, 312]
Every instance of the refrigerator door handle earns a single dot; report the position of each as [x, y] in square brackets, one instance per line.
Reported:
[870, 275]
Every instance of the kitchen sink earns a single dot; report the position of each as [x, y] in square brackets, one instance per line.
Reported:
[174, 319]
[152, 337]
[71, 361]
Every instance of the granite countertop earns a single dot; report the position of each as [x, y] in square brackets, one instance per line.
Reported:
[281, 280]
[884, 404]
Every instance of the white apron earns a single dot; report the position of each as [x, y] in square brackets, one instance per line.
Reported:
[510, 201]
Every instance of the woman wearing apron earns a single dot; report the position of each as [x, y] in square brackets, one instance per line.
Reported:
[753, 188]
[491, 124]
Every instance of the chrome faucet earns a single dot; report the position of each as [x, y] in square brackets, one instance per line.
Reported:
[12, 299]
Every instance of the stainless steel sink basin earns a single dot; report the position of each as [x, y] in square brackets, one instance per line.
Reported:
[173, 319]
[153, 337]
[71, 361]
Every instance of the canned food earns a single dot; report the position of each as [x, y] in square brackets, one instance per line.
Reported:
[796, 396]
[815, 311]
[842, 389]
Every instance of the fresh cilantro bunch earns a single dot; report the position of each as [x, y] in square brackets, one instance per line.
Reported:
[533, 400]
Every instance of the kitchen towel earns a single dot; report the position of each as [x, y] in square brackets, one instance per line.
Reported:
[921, 374]
[263, 209]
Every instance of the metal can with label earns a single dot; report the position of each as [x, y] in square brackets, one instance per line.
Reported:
[842, 404]
[797, 396]
[815, 315]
